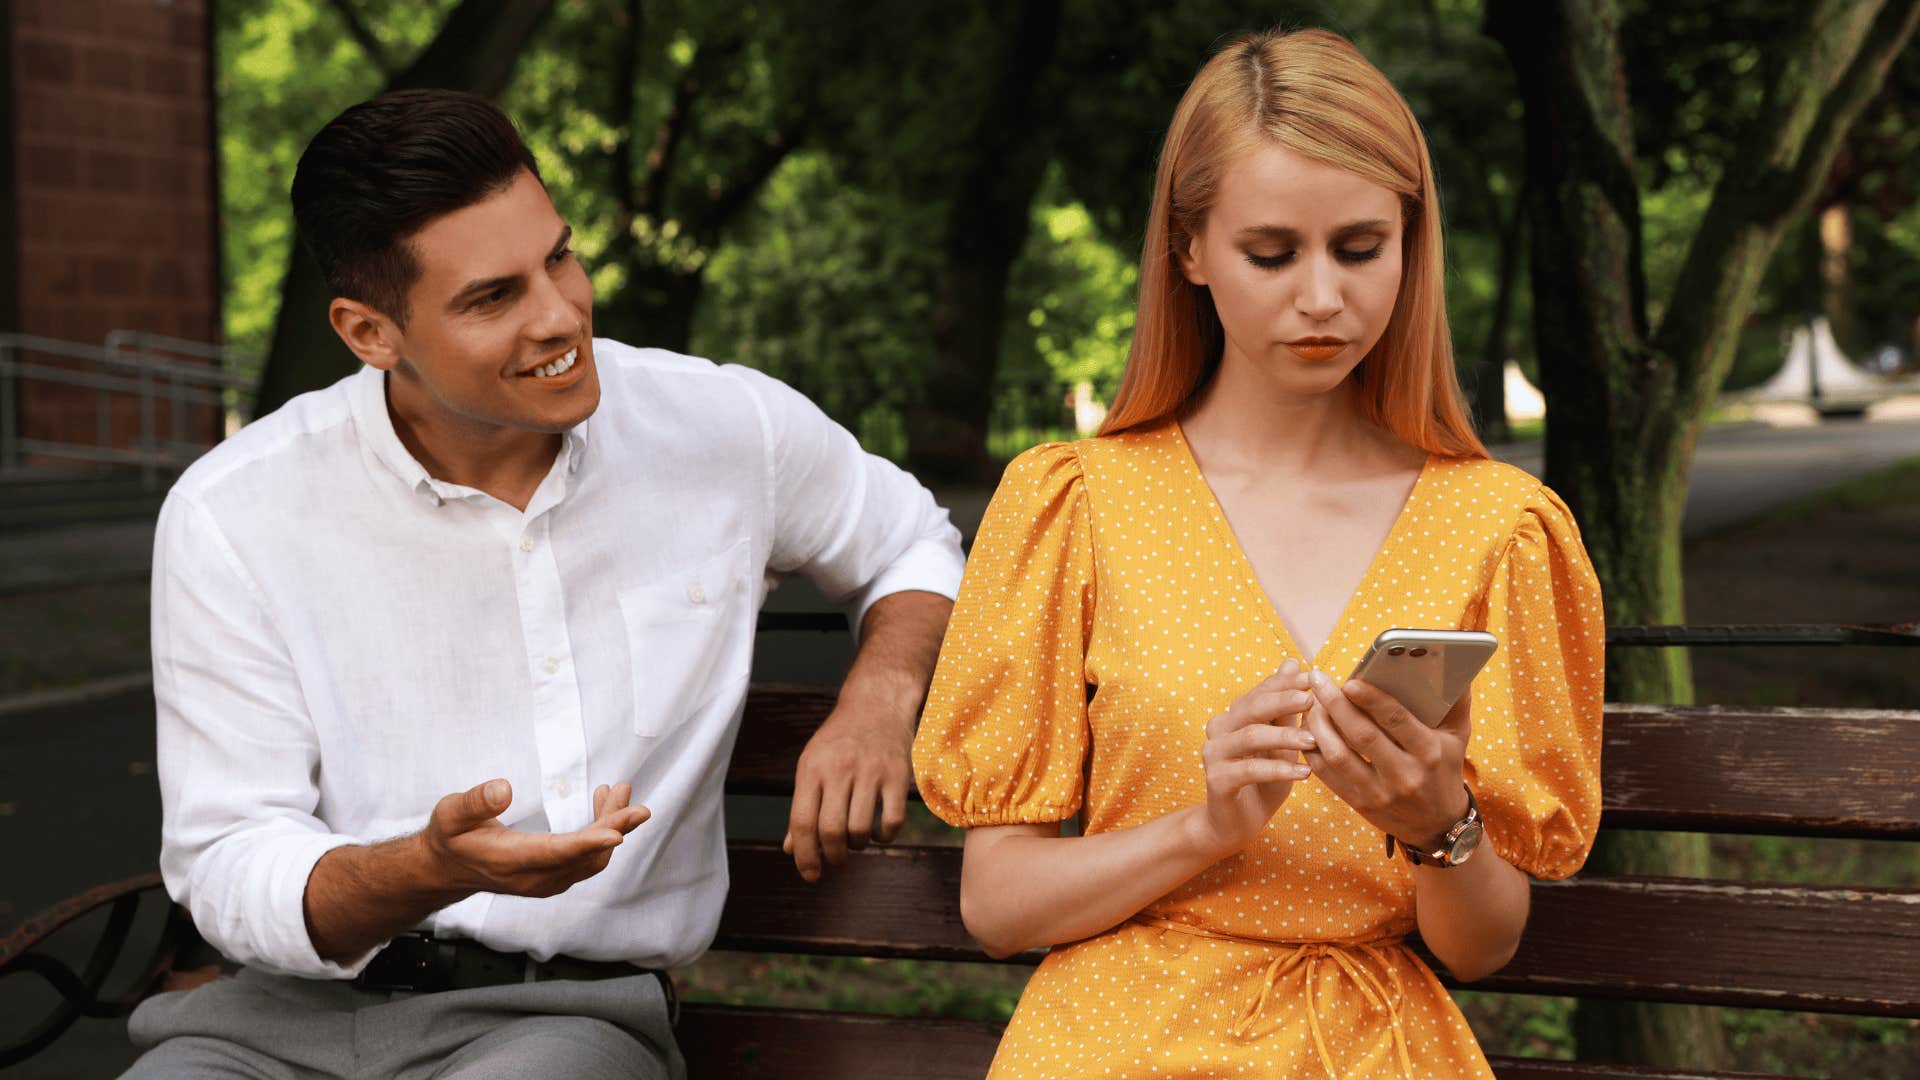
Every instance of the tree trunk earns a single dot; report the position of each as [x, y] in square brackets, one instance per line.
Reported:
[1624, 402]
[986, 229]
[1490, 373]
[655, 309]
[475, 50]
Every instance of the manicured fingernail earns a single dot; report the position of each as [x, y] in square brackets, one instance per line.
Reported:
[1312, 743]
[1320, 680]
[497, 791]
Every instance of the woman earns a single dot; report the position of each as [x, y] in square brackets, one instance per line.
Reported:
[1155, 622]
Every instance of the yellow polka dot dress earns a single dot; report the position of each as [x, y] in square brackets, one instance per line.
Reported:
[1107, 613]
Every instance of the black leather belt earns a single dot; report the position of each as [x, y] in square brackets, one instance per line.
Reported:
[418, 962]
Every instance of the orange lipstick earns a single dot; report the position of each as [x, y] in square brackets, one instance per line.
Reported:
[1318, 348]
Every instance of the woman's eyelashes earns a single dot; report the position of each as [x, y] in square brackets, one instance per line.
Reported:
[1345, 255]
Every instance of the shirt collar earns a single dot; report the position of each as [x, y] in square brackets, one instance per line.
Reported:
[378, 437]
[369, 397]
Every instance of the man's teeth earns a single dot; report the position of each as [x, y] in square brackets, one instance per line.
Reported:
[561, 364]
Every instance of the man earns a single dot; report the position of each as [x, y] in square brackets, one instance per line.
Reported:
[420, 640]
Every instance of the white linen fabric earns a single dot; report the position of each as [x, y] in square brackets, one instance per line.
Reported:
[339, 640]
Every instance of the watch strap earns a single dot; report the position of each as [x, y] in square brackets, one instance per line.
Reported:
[1441, 856]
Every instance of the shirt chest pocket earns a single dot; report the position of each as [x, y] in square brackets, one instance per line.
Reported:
[690, 637]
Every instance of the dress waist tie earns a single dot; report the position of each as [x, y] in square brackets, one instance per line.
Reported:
[1309, 955]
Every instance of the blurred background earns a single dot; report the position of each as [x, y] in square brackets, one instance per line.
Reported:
[927, 217]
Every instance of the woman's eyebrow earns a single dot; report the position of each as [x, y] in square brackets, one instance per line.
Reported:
[1370, 225]
[1286, 235]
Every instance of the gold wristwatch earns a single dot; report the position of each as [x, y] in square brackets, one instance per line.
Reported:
[1456, 846]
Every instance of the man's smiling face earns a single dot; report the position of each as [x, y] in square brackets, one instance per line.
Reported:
[499, 329]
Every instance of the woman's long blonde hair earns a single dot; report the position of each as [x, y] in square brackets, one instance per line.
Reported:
[1312, 92]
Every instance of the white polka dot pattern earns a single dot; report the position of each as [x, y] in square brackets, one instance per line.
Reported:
[1106, 567]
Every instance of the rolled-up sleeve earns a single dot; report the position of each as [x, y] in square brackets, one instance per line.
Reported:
[858, 526]
[238, 758]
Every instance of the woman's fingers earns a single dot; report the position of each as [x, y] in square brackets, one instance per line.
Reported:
[1278, 696]
[1262, 739]
[1357, 730]
[1249, 771]
[1459, 719]
[1336, 763]
[1404, 728]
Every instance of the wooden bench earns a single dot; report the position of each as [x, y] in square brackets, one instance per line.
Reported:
[1800, 772]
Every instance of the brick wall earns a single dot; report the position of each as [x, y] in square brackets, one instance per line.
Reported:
[113, 185]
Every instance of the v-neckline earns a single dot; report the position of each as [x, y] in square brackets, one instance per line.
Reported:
[1270, 611]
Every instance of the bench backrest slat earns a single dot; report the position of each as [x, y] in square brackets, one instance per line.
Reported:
[1655, 939]
[1803, 772]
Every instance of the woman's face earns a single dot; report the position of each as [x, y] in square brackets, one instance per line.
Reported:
[1303, 261]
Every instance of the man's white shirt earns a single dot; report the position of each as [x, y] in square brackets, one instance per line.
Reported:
[339, 640]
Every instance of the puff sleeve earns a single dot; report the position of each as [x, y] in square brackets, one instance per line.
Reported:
[1004, 737]
[1534, 756]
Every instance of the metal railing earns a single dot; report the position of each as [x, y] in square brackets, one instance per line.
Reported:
[151, 369]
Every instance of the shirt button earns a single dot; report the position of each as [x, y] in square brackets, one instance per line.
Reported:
[526, 543]
[563, 789]
[552, 665]
[696, 594]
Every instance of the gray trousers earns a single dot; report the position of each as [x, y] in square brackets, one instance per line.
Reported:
[274, 1027]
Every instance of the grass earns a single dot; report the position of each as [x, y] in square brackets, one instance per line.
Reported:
[1892, 489]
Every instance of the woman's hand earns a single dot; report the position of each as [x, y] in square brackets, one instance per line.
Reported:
[1252, 758]
[1400, 774]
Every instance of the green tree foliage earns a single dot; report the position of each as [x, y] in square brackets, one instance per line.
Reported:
[828, 286]
[778, 185]
[661, 123]
[283, 69]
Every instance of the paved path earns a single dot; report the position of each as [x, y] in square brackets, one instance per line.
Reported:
[1743, 470]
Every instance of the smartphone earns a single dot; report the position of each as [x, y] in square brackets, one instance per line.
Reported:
[1426, 670]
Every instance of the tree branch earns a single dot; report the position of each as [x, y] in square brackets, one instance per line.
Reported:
[1771, 181]
[626, 69]
[361, 33]
[708, 59]
[477, 47]
[734, 197]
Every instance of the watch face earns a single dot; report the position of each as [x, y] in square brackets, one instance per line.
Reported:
[1464, 847]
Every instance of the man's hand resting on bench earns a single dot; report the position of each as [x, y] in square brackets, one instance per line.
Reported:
[859, 765]
[361, 896]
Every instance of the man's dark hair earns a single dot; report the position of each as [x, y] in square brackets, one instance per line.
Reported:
[382, 170]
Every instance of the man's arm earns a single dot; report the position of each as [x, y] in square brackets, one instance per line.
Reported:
[862, 753]
[869, 536]
[238, 757]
